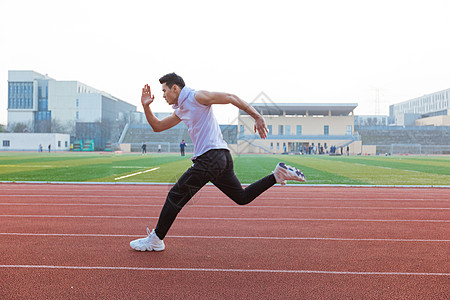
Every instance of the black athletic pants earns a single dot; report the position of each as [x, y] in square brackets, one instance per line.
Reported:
[215, 166]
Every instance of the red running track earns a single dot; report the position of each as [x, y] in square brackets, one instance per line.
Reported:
[62, 241]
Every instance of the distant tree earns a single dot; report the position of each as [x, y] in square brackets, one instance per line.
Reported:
[2, 128]
[58, 127]
[54, 126]
[43, 126]
[20, 127]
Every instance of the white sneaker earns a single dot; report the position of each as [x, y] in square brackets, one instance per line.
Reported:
[150, 243]
[283, 173]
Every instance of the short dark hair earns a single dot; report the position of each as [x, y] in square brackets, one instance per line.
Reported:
[171, 79]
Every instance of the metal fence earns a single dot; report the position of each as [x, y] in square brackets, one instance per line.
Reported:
[155, 147]
[417, 149]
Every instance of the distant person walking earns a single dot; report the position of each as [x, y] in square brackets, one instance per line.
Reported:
[49, 148]
[144, 148]
[182, 146]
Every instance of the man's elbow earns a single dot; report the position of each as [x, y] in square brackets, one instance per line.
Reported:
[156, 128]
[231, 99]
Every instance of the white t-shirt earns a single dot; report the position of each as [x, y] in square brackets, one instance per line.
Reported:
[200, 121]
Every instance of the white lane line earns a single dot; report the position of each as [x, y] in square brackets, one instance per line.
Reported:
[227, 219]
[224, 270]
[430, 193]
[226, 206]
[142, 172]
[200, 196]
[311, 184]
[86, 196]
[228, 237]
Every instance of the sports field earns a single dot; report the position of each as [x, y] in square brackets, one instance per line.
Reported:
[305, 241]
[167, 168]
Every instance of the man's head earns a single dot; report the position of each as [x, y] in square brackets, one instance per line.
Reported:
[172, 84]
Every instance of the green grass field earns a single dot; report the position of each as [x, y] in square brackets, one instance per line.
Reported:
[101, 167]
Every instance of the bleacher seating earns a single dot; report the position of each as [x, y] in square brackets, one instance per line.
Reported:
[139, 134]
[410, 135]
[136, 134]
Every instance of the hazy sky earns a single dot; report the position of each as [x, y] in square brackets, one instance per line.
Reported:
[294, 51]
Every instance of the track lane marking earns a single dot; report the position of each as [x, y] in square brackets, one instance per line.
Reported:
[262, 197]
[226, 219]
[226, 206]
[226, 237]
[225, 270]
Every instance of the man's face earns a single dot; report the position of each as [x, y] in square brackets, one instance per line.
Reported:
[171, 95]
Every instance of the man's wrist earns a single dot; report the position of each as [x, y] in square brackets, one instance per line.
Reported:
[256, 116]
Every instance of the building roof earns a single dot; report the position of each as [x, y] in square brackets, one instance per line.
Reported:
[312, 109]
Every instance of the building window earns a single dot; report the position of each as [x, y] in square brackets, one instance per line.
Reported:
[78, 102]
[269, 127]
[288, 129]
[78, 115]
[349, 130]
[280, 130]
[278, 146]
[20, 95]
[271, 145]
[66, 144]
[59, 144]
[326, 130]
[5, 143]
[241, 129]
[299, 129]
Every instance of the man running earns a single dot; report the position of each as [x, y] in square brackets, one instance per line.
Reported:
[212, 161]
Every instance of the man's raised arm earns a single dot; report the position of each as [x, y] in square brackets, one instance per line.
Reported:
[209, 98]
[157, 124]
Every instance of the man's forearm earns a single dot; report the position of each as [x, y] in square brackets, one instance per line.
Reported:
[241, 104]
[252, 111]
[151, 119]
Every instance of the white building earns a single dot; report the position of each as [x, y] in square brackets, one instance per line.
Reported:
[41, 102]
[408, 113]
[300, 127]
[34, 142]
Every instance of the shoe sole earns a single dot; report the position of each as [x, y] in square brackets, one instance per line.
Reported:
[146, 249]
[300, 176]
